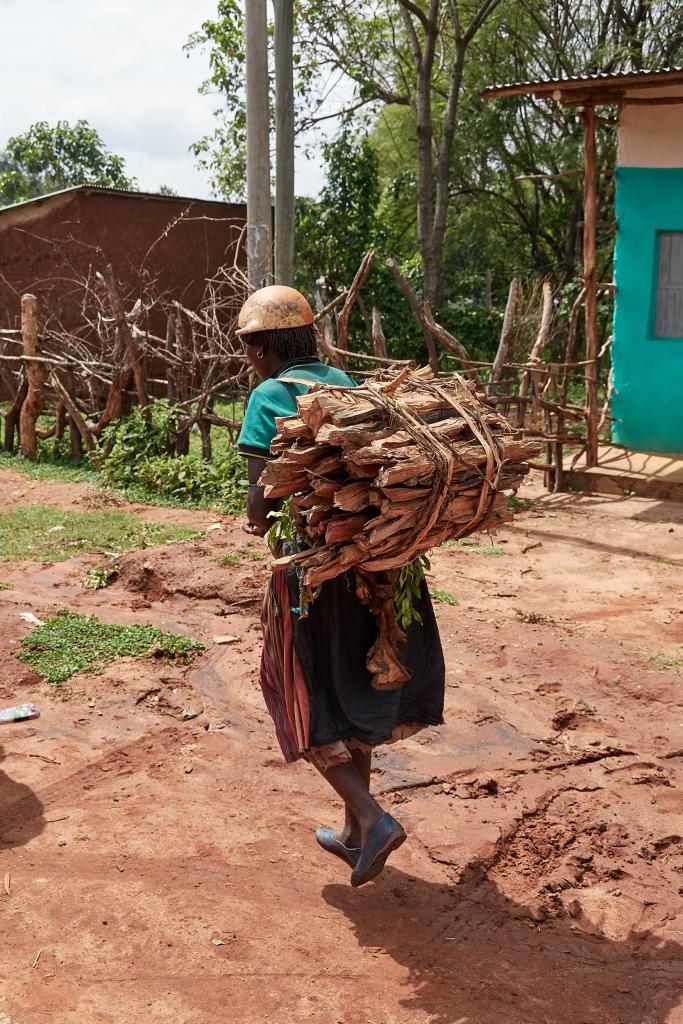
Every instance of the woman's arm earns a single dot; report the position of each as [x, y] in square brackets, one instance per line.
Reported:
[258, 506]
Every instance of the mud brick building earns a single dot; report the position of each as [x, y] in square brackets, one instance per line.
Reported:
[49, 244]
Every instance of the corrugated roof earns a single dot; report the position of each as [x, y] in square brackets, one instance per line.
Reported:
[107, 190]
[587, 83]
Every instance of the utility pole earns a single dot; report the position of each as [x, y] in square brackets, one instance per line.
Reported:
[284, 142]
[259, 214]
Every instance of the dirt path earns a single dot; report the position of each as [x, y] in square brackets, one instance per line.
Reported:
[163, 869]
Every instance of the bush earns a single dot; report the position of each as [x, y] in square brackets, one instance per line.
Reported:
[135, 457]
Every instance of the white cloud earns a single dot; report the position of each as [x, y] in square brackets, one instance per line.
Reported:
[119, 64]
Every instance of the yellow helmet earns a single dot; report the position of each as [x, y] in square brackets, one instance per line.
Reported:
[274, 308]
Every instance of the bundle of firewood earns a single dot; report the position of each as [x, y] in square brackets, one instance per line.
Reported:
[381, 473]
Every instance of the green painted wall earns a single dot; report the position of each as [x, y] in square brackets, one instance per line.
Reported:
[648, 371]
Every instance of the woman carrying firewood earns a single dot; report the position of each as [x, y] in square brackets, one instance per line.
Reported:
[313, 671]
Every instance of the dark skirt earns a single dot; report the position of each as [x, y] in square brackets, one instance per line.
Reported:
[315, 681]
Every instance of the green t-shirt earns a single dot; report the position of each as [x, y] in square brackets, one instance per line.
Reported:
[275, 397]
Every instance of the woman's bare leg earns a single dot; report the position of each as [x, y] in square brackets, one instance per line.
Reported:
[350, 833]
[361, 808]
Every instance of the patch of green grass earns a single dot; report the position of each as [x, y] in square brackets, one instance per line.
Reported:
[6, 586]
[665, 663]
[100, 577]
[474, 545]
[44, 468]
[54, 534]
[257, 556]
[232, 558]
[443, 596]
[71, 643]
[519, 504]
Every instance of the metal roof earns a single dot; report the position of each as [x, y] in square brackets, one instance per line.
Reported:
[603, 81]
[108, 190]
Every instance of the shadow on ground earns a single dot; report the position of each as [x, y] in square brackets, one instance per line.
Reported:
[21, 812]
[474, 957]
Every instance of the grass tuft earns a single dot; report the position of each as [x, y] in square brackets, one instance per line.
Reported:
[665, 663]
[443, 597]
[232, 558]
[71, 643]
[47, 534]
[475, 546]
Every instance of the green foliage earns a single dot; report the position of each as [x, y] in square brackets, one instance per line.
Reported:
[443, 596]
[45, 534]
[408, 590]
[475, 546]
[334, 231]
[46, 159]
[71, 643]
[283, 528]
[6, 586]
[100, 577]
[665, 663]
[519, 504]
[47, 467]
[232, 558]
[136, 457]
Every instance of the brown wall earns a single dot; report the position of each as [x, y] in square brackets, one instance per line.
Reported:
[47, 244]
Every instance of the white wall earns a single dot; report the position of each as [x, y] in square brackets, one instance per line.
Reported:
[651, 136]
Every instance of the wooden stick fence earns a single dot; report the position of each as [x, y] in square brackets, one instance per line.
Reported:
[91, 375]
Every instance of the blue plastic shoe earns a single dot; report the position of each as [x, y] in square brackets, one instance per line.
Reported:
[385, 836]
[327, 840]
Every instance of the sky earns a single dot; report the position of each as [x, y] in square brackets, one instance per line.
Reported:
[118, 64]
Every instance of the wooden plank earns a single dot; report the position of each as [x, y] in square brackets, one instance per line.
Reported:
[590, 284]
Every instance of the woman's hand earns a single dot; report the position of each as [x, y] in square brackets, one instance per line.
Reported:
[252, 529]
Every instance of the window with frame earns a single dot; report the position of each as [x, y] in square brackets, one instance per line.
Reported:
[669, 299]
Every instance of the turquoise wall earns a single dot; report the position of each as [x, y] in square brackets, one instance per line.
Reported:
[648, 371]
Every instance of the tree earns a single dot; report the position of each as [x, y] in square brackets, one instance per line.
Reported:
[45, 159]
[394, 52]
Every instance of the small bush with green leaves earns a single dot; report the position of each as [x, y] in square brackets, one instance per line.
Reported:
[49, 534]
[101, 576]
[71, 643]
[136, 457]
[6, 586]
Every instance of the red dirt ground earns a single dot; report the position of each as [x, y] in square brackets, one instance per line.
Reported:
[542, 880]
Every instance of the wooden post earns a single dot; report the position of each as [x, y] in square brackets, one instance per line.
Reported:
[12, 415]
[379, 342]
[505, 336]
[535, 354]
[284, 142]
[35, 374]
[258, 145]
[590, 284]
